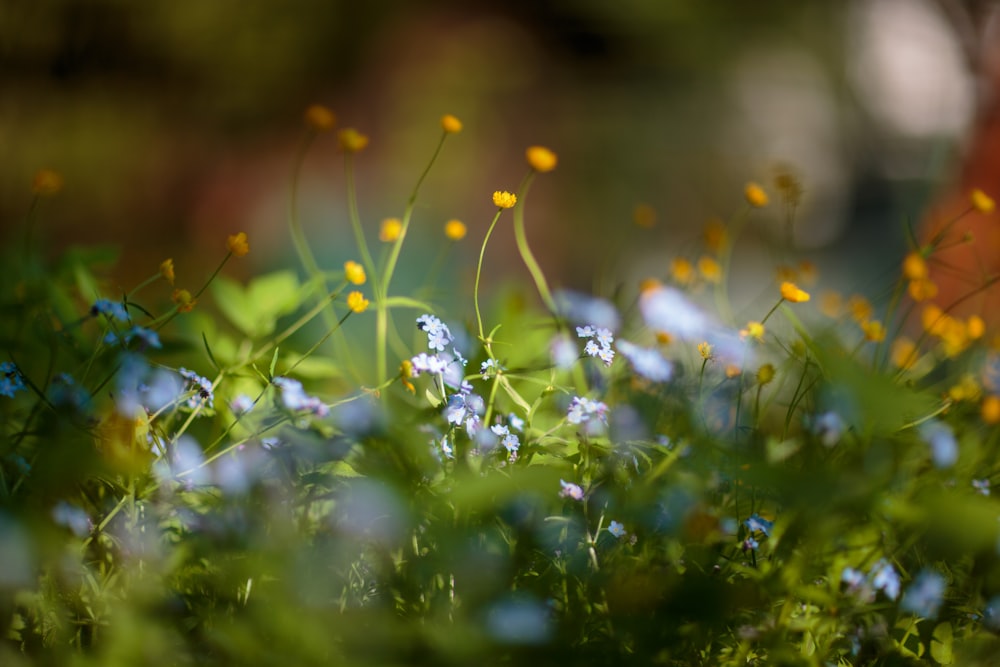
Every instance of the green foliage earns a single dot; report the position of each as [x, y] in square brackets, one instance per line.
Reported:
[547, 484]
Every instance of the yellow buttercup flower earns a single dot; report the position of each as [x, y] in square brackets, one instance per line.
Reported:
[709, 269]
[682, 270]
[860, 308]
[765, 373]
[705, 350]
[354, 272]
[541, 159]
[915, 266]
[319, 118]
[455, 230]
[352, 141]
[981, 201]
[185, 302]
[405, 373]
[903, 353]
[753, 330]
[755, 195]
[47, 182]
[390, 230]
[932, 318]
[357, 302]
[831, 303]
[922, 290]
[966, 389]
[504, 199]
[715, 235]
[874, 331]
[167, 270]
[975, 327]
[450, 124]
[990, 409]
[647, 284]
[237, 244]
[791, 292]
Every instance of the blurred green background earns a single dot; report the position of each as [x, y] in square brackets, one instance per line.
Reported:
[175, 124]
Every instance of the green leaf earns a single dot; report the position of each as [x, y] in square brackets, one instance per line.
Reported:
[941, 644]
[234, 304]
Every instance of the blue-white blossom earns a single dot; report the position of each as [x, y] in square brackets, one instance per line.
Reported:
[647, 362]
[924, 596]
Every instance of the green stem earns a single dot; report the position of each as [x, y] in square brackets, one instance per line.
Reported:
[522, 246]
[381, 324]
[479, 270]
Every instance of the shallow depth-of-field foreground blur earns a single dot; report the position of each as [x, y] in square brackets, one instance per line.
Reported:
[333, 465]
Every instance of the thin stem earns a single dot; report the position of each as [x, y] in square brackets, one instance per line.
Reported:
[522, 246]
[479, 270]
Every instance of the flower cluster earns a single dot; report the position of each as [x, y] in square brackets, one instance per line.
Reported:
[11, 381]
[598, 343]
[203, 392]
[294, 398]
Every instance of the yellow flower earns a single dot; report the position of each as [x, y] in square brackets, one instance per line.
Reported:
[705, 350]
[791, 292]
[753, 330]
[831, 303]
[185, 302]
[981, 201]
[765, 373]
[47, 182]
[990, 409]
[663, 338]
[450, 124]
[357, 302]
[352, 141]
[860, 308]
[644, 215]
[715, 235]
[932, 318]
[455, 230]
[541, 159]
[319, 118]
[975, 327]
[647, 284]
[923, 289]
[954, 336]
[903, 353]
[732, 370]
[237, 244]
[504, 199]
[405, 373]
[354, 273]
[390, 230]
[874, 331]
[755, 195]
[967, 389]
[682, 270]
[788, 186]
[167, 270]
[914, 266]
[709, 269]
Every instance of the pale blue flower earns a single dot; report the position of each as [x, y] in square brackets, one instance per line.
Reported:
[570, 490]
[241, 404]
[667, 309]
[11, 381]
[579, 308]
[982, 486]
[294, 397]
[944, 447]
[563, 352]
[110, 309]
[438, 334]
[616, 529]
[925, 595]
[583, 409]
[829, 427]
[648, 363]
[204, 393]
[72, 517]
[885, 578]
[599, 344]
[756, 523]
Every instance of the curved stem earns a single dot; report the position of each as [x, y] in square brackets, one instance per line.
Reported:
[479, 270]
[522, 246]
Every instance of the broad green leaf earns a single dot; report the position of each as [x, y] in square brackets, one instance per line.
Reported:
[941, 644]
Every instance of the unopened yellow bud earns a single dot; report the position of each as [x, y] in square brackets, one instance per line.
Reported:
[319, 118]
[390, 230]
[450, 124]
[541, 159]
[755, 195]
[455, 230]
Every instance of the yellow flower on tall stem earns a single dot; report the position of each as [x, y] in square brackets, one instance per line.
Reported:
[237, 244]
[357, 302]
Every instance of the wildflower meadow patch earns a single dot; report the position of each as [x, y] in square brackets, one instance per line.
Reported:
[200, 471]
